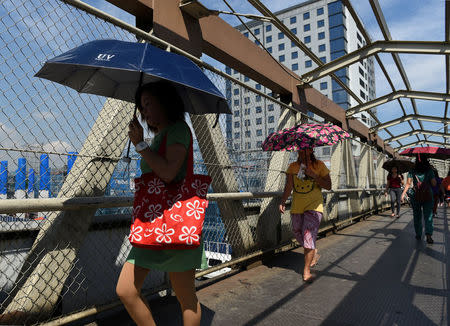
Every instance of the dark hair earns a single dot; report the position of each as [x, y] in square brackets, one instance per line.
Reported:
[422, 164]
[168, 97]
[312, 158]
[390, 171]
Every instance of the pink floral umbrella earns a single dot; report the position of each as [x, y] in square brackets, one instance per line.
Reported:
[308, 135]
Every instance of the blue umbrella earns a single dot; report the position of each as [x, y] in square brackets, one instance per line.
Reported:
[116, 69]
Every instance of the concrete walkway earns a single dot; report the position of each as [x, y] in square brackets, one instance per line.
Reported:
[372, 273]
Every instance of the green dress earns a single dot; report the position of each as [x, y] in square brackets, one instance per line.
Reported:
[170, 260]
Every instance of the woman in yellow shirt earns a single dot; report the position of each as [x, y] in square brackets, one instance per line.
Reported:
[306, 177]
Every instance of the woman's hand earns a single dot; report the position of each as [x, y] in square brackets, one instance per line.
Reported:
[309, 172]
[402, 198]
[135, 131]
[282, 208]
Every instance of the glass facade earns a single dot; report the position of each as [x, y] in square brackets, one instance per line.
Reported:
[338, 48]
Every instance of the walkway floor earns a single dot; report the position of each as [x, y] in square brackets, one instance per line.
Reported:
[372, 273]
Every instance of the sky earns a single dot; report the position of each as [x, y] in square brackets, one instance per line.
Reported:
[32, 32]
[407, 20]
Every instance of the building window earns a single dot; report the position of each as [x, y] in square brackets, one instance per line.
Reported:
[320, 23]
[268, 28]
[306, 15]
[363, 95]
[358, 37]
[269, 49]
[361, 71]
[236, 146]
[323, 59]
[294, 31]
[280, 36]
[271, 130]
[246, 34]
[246, 100]
[258, 109]
[293, 45]
[268, 39]
[294, 55]
[258, 86]
[248, 133]
[323, 85]
[247, 123]
[237, 135]
[247, 111]
[270, 107]
[306, 28]
[281, 47]
[256, 32]
[281, 58]
[322, 48]
[258, 98]
[293, 20]
[259, 132]
[236, 103]
[319, 11]
[308, 64]
[326, 151]
[271, 119]
[228, 70]
[237, 124]
[236, 91]
[236, 113]
[307, 39]
[259, 144]
[248, 145]
[321, 35]
[361, 82]
[258, 121]
[295, 67]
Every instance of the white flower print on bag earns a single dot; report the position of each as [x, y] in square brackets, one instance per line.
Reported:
[194, 209]
[135, 233]
[155, 186]
[201, 188]
[189, 235]
[164, 234]
[154, 212]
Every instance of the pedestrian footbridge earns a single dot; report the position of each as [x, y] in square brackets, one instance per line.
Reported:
[66, 194]
[371, 273]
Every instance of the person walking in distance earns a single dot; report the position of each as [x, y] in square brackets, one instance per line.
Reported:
[421, 179]
[394, 188]
[305, 178]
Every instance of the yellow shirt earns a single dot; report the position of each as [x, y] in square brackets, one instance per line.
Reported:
[307, 194]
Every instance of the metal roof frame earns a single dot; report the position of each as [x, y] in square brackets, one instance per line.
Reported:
[408, 117]
[422, 142]
[395, 95]
[416, 132]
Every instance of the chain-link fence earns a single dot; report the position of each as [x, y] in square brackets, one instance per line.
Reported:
[56, 143]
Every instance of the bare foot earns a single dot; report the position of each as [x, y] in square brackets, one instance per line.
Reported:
[392, 215]
[315, 260]
[308, 278]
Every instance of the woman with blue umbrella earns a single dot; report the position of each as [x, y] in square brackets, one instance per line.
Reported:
[164, 86]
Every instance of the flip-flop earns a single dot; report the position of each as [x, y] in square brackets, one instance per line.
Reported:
[316, 261]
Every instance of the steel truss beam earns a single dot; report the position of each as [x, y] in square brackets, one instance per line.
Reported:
[395, 95]
[391, 123]
[417, 132]
[419, 47]
[422, 142]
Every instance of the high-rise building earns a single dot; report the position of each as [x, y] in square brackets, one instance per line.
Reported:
[330, 31]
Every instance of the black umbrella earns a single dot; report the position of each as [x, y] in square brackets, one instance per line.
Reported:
[401, 164]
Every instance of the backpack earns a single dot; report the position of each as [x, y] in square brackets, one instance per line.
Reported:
[422, 193]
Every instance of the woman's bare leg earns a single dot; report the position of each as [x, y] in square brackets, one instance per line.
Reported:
[183, 283]
[128, 289]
